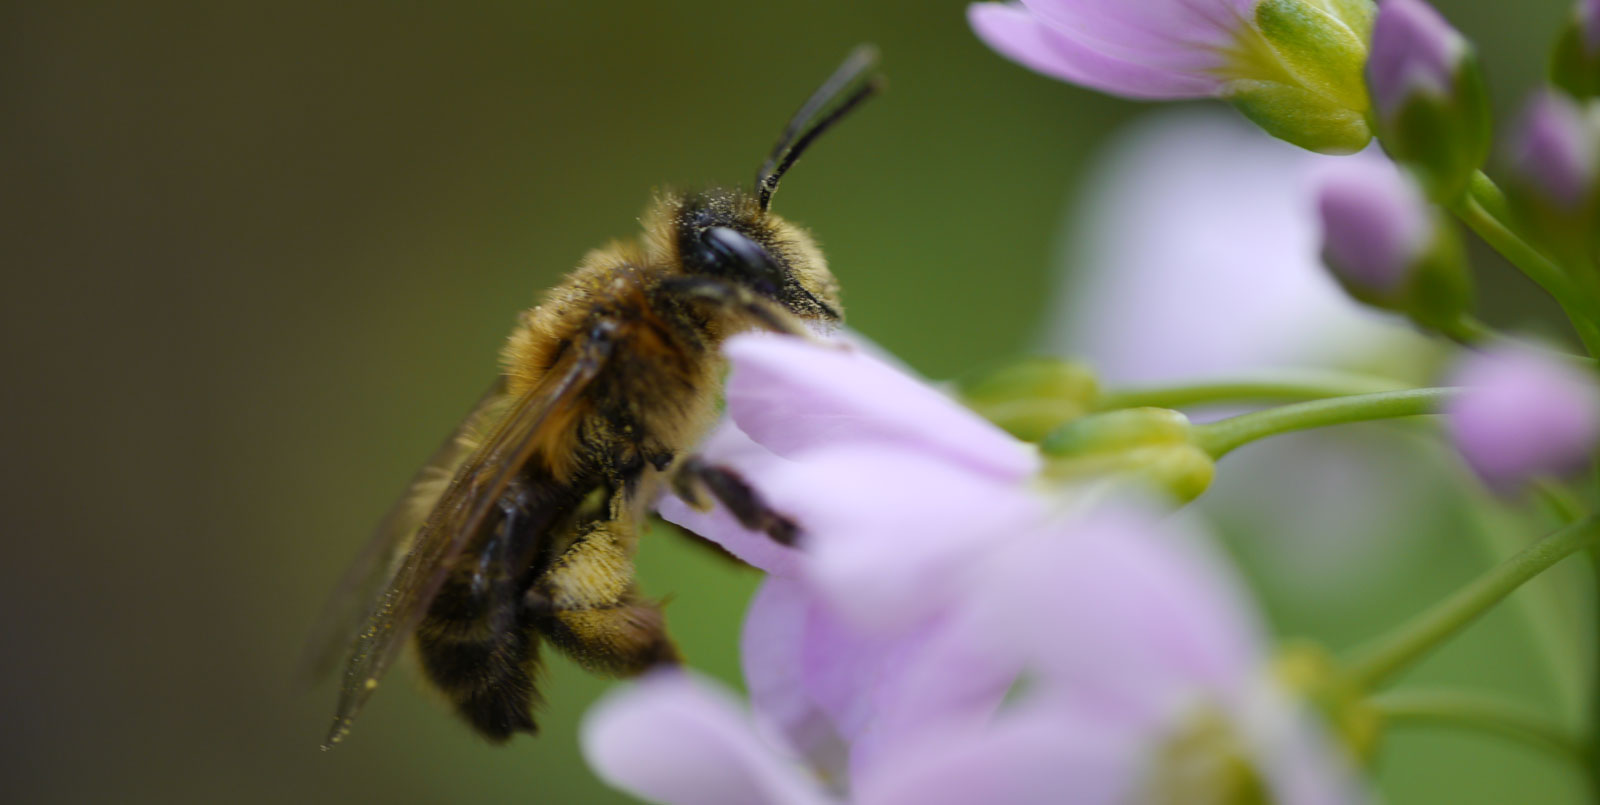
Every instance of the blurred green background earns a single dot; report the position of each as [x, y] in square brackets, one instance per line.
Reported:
[260, 257]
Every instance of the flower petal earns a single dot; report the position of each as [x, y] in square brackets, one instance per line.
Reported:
[773, 649]
[729, 447]
[890, 535]
[1184, 35]
[1022, 37]
[1142, 617]
[673, 739]
[949, 678]
[791, 396]
[1032, 758]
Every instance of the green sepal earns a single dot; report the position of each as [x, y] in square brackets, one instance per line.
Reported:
[1034, 396]
[1443, 140]
[1304, 83]
[1438, 289]
[1156, 445]
[1308, 670]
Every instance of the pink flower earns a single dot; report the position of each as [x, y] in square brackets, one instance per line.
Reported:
[1292, 66]
[1161, 50]
[900, 461]
[931, 577]
[1144, 682]
[1523, 414]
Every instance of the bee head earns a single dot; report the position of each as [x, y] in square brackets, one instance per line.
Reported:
[732, 235]
[726, 235]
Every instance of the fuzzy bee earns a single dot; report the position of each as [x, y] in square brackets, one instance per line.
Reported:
[521, 528]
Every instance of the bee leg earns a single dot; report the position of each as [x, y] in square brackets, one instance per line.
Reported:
[586, 605]
[738, 300]
[698, 483]
[493, 564]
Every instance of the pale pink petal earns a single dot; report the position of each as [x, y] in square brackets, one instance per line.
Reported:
[729, 447]
[951, 679]
[1023, 38]
[1183, 35]
[791, 396]
[773, 649]
[1020, 760]
[673, 739]
[838, 696]
[891, 534]
[1142, 619]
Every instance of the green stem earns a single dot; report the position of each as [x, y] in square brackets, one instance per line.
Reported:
[1483, 208]
[1218, 438]
[1483, 713]
[1294, 386]
[1376, 663]
[1594, 693]
[1549, 620]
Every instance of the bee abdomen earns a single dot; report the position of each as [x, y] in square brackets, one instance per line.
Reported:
[488, 679]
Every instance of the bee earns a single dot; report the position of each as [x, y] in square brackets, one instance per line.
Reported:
[521, 528]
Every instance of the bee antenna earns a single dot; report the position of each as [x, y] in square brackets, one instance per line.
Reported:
[797, 136]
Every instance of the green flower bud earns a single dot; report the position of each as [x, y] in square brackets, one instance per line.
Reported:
[1155, 445]
[1431, 109]
[1554, 186]
[1299, 75]
[1031, 398]
[1388, 247]
[1575, 61]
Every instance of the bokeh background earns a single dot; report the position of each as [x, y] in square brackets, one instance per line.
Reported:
[260, 257]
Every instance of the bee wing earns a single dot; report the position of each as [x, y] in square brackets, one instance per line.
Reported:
[459, 514]
[391, 540]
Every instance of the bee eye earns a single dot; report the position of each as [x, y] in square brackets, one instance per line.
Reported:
[735, 254]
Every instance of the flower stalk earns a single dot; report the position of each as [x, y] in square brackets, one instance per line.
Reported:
[1221, 437]
[1378, 662]
[1297, 386]
[1481, 713]
[1484, 209]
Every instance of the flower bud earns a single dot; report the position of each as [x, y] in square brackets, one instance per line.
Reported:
[1155, 445]
[1388, 247]
[1555, 164]
[1301, 80]
[1575, 62]
[1033, 397]
[1523, 414]
[1431, 109]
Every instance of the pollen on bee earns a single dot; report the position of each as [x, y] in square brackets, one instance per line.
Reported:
[371, 683]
